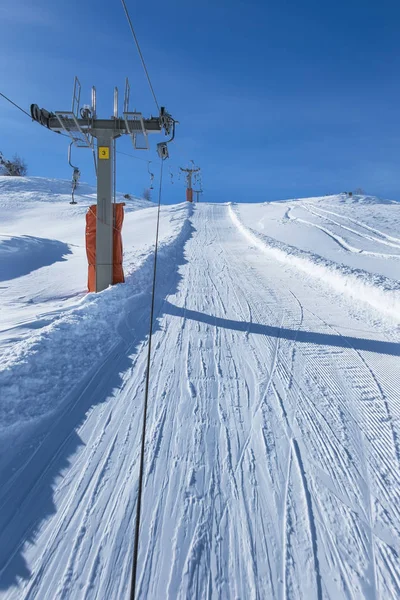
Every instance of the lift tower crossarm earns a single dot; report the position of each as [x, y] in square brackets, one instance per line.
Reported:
[189, 175]
[152, 125]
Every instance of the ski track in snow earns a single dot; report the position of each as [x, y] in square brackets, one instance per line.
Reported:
[272, 457]
[383, 238]
[379, 291]
[339, 240]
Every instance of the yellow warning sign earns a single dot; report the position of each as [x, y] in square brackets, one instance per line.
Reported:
[104, 152]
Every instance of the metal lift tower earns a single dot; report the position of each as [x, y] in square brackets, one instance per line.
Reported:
[189, 175]
[83, 126]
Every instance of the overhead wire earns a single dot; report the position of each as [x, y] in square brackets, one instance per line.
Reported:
[135, 157]
[147, 386]
[15, 104]
[30, 116]
[140, 54]
[146, 402]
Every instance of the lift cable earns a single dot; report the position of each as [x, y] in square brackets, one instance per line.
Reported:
[16, 105]
[140, 54]
[30, 116]
[135, 157]
[146, 398]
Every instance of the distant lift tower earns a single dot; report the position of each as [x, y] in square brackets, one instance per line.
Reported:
[189, 175]
[83, 125]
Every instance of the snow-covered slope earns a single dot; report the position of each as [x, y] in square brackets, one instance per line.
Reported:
[353, 244]
[39, 228]
[273, 452]
[48, 323]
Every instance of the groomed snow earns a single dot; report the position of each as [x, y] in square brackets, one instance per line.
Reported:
[349, 243]
[273, 436]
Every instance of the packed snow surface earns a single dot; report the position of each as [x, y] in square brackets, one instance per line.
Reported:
[273, 435]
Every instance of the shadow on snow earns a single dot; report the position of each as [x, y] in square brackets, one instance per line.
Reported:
[305, 337]
[23, 254]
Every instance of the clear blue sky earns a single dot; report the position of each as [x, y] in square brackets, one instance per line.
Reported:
[276, 99]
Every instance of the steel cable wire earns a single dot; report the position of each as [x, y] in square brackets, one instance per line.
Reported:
[15, 104]
[146, 401]
[140, 54]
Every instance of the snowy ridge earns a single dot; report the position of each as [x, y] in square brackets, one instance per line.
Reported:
[37, 374]
[380, 292]
[19, 191]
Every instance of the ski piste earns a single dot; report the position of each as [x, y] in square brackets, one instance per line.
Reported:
[272, 456]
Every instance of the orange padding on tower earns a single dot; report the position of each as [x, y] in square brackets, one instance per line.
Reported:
[118, 273]
[189, 194]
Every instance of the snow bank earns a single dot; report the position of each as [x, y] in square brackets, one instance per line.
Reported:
[37, 374]
[43, 264]
[380, 292]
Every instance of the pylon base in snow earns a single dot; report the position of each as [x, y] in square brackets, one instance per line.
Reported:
[118, 272]
[189, 194]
